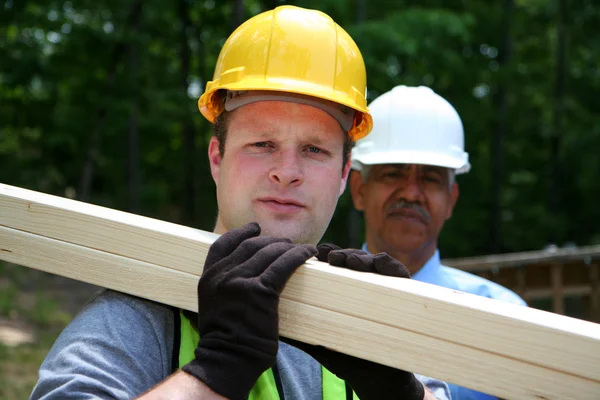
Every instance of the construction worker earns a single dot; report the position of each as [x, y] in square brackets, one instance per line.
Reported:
[287, 100]
[403, 180]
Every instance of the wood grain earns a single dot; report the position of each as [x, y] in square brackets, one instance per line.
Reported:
[506, 350]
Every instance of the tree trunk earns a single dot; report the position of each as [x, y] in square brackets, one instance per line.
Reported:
[355, 228]
[187, 127]
[361, 11]
[134, 161]
[93, 150]
[239, 14]
[555, 178]
[266, 5]
[497, 143]
[133, 170]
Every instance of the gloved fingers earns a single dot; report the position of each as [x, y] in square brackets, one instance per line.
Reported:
[229, 241]
[279, 272]
[237, 257]
[324, 250]
[384, 264]
[351, 259]
[359, 260]
[259, 261]
[362, 262]
[246, 250]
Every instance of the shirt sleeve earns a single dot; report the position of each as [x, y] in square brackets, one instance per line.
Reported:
[117, 347]
[439, 388]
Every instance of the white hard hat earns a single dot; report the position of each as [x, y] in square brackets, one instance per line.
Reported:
[413, 125]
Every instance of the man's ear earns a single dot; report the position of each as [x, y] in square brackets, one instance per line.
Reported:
[345, 172]
[454, 192]
[357, 187]
[214, 158]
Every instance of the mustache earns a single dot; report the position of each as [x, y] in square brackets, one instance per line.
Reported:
[403, 204]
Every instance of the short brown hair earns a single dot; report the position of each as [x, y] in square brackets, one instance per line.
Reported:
[220, 132]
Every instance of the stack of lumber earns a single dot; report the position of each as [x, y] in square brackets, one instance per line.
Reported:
[510, 351]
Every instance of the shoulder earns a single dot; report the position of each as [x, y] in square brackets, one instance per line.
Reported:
[114, 314]
[118, 346]
[474, 284]
[130, 306]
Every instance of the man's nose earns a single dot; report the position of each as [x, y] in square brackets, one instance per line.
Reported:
[412, 187]
[287, 169]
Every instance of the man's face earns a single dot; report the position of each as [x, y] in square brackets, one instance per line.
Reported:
[405, 206]
[282, 167]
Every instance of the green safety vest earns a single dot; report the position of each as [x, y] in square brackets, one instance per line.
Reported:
[265, 388]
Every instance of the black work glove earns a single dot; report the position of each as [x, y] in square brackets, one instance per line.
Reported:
[359, 260]
[370, 381]
[238, 299]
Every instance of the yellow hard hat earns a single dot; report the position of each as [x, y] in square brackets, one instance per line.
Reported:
[294, 50]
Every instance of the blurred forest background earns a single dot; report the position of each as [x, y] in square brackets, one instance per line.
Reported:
[98, 103]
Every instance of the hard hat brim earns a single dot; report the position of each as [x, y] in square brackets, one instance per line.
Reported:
[459, 164]
[210, 109]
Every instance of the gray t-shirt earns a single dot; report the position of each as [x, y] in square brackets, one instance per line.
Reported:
[120, 346]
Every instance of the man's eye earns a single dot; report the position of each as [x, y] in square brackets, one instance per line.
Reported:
[314, 149]
[261, 144]
[433, 178]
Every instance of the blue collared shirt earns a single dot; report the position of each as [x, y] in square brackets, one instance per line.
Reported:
[437, 274]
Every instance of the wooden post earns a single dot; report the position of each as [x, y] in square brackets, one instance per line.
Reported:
[521, 283]
[557, 289]
[595, 293]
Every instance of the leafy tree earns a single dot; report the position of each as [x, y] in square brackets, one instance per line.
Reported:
[98, 102]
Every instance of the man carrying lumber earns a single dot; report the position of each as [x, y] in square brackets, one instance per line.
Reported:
[404, 182]
[287, 100]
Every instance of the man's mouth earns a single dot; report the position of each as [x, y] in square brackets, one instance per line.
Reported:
[412, 212]
[282, 204]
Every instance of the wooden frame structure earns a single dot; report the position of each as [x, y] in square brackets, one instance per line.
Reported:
[510, 351]
[554, 273]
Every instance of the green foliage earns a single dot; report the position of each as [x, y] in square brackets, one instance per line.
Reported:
[29, 306]
[75, 76]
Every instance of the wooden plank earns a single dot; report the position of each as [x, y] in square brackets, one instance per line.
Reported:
[129, 235]
[573, 290]
[392, 345]
[506, 350]
[511, 260]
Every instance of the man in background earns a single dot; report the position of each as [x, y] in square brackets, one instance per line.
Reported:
[403, 180]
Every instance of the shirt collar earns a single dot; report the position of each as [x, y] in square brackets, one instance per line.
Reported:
[428, 272]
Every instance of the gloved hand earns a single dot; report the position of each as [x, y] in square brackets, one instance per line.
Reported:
[359, 260]
[370, 381]
[238, 299]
